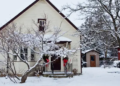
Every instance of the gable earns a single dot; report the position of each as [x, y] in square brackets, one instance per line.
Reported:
[31, 5]
[36, 11]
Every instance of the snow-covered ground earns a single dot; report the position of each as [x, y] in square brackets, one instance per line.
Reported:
[90, 77]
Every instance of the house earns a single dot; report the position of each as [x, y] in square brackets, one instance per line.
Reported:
[91, 57]
[35, 12]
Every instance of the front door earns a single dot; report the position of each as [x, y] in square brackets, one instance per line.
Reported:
[55, 65]
[92, 61]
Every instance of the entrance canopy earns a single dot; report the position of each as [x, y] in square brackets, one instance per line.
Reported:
[49, 37]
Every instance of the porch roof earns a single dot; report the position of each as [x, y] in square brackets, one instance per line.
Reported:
[58, 38]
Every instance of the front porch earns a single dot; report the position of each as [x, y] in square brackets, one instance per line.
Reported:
[58, 69]
[57, 66]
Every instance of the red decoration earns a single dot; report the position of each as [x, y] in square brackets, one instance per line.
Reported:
[65, 61]
[47, 62]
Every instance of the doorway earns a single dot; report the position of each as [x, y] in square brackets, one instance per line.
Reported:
[92, 61]
[55, 65]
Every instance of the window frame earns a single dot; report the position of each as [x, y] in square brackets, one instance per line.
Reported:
[32, 53]
[92, 57]
[22, 52]
[14, 56]
[42, 27]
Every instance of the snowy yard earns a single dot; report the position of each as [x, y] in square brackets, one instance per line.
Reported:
[90, 77]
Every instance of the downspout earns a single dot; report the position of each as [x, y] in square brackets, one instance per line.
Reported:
[81, 55]
[8, 59]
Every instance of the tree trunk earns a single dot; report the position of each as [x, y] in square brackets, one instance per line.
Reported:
[118, 40]
[24, 77]
[105, 59]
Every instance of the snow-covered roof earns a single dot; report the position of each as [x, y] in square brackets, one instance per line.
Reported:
[86, 51]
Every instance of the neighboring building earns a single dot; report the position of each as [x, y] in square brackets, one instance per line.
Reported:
[35, 12]
[91, 57]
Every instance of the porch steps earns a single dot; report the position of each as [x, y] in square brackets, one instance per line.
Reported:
[58, 74]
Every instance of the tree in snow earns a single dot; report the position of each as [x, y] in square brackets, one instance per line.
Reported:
[7, 39]
[102, 17]
[98, 41]
[38, 41]
[103, 14]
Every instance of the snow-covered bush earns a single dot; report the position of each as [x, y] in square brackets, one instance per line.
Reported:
[2, 72]
[116, 63]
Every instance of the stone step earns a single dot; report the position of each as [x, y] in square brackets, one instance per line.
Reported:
[58, 74]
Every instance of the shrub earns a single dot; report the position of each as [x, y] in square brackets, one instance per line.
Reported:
[74, 71]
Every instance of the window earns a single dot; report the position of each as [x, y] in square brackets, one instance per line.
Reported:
[32, 54]
[23, 53]
[14, 56]
[92, 58]
[42, 23]
[45, 57]
[68, 45]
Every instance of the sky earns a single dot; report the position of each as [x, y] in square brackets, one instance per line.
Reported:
[10, 8]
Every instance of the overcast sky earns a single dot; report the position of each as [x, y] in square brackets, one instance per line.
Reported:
[10, 8]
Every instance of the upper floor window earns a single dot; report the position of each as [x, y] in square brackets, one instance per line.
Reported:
[42, 23]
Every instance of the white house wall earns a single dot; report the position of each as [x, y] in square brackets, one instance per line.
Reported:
[38, 11]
